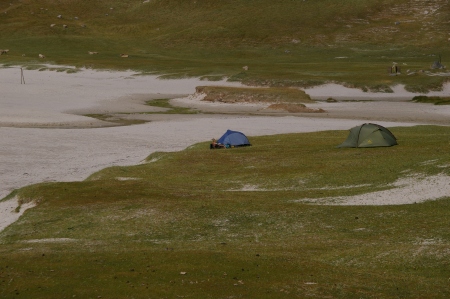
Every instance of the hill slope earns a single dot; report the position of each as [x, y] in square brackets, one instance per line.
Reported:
[206, 37]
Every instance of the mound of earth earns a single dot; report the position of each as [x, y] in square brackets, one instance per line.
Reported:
[294, 108]
[253, 95]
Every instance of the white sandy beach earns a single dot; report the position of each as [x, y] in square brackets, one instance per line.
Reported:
[44, 136]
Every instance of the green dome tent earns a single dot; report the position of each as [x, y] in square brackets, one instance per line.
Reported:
[369, 135]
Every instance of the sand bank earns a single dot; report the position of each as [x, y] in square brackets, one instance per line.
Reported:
[10, 211]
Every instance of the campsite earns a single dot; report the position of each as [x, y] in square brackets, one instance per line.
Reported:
[369, 135]
[331, 178]
[230, 139]
[149, 211]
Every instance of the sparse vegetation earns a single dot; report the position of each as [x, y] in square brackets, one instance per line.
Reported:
[116, 119]
[253, 95]
[122, 119]
[165, 103]
[432, 100]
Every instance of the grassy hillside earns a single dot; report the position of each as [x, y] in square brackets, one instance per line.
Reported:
[227, 224]
[282, 42]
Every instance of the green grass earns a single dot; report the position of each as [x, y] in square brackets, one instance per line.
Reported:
[131, 231]
[287, 43]
[164, 103]
[432, 100]
[116, 120]
[122, 120]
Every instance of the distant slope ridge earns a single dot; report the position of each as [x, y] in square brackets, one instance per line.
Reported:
[220, 23]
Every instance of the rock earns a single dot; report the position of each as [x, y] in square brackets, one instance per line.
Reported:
[437, 65]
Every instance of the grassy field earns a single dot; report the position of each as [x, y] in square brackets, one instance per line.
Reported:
[283, 43]
[228, 223]
[206, 223]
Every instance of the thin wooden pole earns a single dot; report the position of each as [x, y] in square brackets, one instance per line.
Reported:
[22, 78]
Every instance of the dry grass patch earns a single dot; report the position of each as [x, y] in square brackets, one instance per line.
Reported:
[294, 108]
[253, 95]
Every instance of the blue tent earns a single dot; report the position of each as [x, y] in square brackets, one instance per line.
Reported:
[233, 138]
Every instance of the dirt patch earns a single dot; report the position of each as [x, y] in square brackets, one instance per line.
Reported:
[408, 190]
[294, 108]
[253, 95]
[51, 240]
